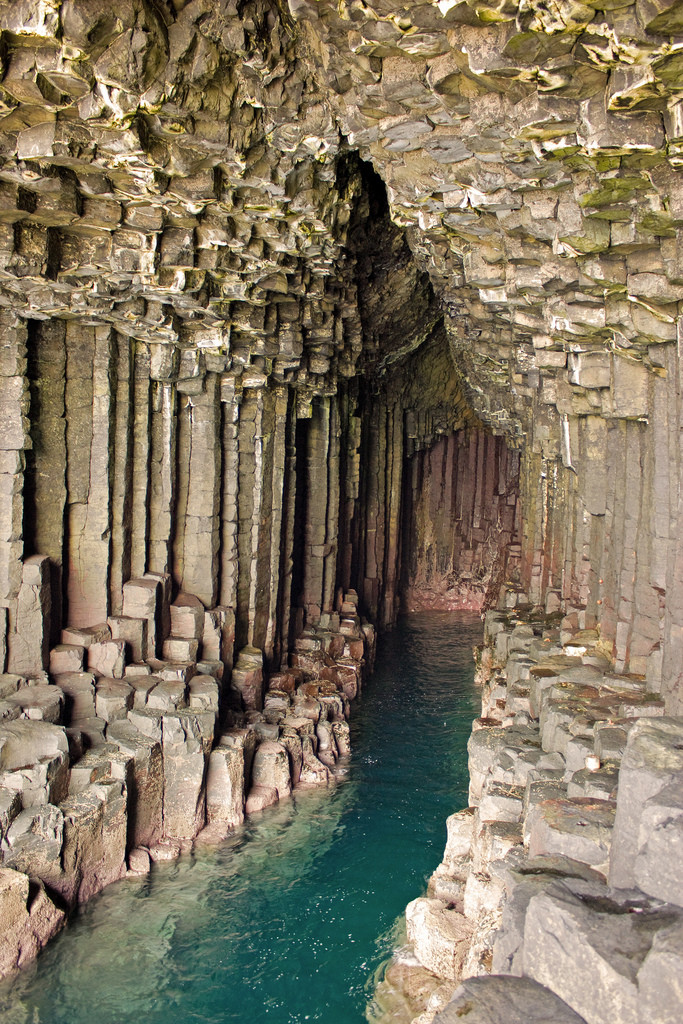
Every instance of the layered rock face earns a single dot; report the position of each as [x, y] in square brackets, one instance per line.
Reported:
[309, 311]
[557, 897]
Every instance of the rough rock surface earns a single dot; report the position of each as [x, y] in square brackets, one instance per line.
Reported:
[309, 310]
[569, 905]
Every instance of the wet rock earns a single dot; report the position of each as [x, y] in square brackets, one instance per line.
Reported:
[28, 919]
[270, 768]
[440, 937]
[186, 739]
[225, 787]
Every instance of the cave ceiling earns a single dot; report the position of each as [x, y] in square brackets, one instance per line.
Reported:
[195, 175]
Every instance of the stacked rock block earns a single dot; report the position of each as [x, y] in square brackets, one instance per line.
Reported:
[560, 880]
[117, 757]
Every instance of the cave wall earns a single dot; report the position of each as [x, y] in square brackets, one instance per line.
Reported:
[181, 209]
[462, 523]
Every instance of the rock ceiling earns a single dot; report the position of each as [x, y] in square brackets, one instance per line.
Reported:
[180, 171]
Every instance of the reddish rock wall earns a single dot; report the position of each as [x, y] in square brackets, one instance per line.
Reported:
[462, 523]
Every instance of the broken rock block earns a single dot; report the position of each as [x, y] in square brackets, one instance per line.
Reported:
[145, 781]
[587, 944]
[84, 636]
[652, 762]
[187, 740]
[187, 617]
[660, 979]
[107, 658]
[33, 844]
[66, 658]
[113, 699]
[45, 781]
[218, 637]
[133, 632]
[660, 845]
[440, 937]
[580, 829]
[247, 678]
[505, 1000]
[225, 787]
[176, 649]
[142, 600]
[166, 695]
[28, 919]
[40, 703]
[79, 693]
[25, 742]
[203, 694]
[29, 643]
[95, 835]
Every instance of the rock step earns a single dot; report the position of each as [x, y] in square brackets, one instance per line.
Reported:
[506, 1000]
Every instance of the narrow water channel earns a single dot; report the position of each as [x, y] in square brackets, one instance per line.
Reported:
[289, 919]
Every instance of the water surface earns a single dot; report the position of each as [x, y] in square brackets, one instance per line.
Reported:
[290, 918]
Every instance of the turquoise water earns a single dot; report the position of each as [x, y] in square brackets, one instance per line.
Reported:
[289, 919]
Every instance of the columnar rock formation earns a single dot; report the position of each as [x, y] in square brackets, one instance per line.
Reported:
[308, 301]
[560, 879]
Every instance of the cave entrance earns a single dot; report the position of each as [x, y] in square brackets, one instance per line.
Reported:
[438, 522]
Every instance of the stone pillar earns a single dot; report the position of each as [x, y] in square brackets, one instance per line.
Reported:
[45, 490]
[197, 511]
[330, 556]
[248, 505]
[394, 493]
[230, 400]
[162, 476]
[14, 439]
[89, 411]
[278, 549]
[139, 533]
[122, 475]
[29, 643]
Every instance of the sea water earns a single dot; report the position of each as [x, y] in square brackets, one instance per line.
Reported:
[290, 918]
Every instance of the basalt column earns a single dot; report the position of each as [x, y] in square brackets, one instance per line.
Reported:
[462, 534]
